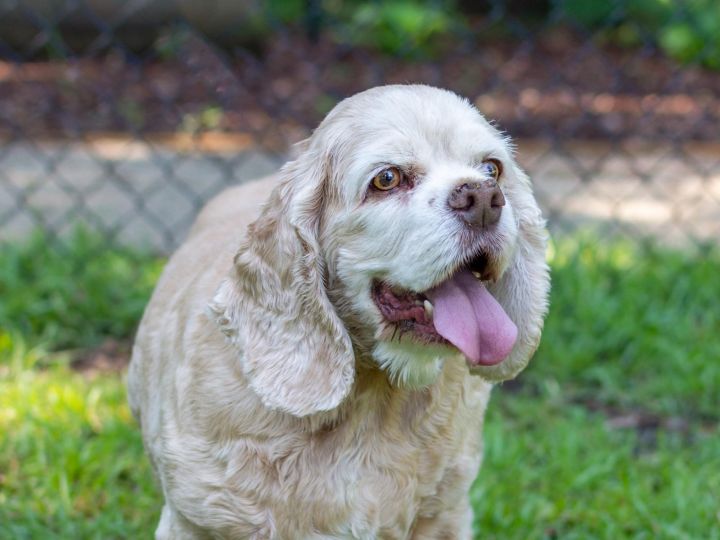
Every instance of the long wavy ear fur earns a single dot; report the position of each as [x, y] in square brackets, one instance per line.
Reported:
[295, 351]
[523, 289]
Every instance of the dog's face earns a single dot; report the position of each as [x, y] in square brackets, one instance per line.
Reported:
[407, 217]
[420, 229]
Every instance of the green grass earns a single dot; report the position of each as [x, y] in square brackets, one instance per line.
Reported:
[556, 470]
[75, 293]
[71, 458]
[633, 327]
[632, 339]
[633, 336]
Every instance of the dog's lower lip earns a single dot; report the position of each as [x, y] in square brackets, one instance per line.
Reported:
[407, 311]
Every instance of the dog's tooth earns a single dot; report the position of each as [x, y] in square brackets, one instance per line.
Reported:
[429, 309]
[477, 275]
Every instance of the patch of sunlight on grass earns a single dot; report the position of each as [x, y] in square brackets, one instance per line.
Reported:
[587, 247]
[71, 459]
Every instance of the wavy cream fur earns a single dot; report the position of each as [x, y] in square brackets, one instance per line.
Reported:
[273, 401]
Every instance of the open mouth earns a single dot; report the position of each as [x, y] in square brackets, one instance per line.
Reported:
[458, 311]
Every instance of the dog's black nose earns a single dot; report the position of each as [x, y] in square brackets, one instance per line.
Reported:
[478, 203]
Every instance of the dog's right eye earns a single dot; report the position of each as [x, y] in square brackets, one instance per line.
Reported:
[492, 168]
[387, 179]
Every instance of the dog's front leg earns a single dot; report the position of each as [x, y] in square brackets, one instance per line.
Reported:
[173, 526]
[448, 525]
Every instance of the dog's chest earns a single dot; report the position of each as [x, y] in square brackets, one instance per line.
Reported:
[376, 472]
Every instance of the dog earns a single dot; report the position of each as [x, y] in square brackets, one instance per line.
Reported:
[320, 368]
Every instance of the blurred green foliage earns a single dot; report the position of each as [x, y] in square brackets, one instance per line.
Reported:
[687, 31]
[400, 26]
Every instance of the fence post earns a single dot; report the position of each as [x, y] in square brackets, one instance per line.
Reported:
[313, 20]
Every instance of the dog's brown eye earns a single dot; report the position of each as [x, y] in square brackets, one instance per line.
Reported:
[387, 179]
[491, 168]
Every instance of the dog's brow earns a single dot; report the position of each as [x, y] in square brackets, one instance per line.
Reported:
[483, 156]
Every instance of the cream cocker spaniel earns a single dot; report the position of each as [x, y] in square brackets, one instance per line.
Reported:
[321, 369]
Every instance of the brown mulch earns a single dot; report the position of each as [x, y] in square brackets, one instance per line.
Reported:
[557, 86]
[111, 356]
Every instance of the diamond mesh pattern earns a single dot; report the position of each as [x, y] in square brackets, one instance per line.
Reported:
[128, 116]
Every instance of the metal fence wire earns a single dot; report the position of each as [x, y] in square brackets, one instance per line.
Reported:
[126, 117]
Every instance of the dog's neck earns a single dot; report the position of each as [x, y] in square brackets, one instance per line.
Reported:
[374, 401]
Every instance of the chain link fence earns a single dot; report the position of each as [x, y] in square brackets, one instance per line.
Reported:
[126, 117]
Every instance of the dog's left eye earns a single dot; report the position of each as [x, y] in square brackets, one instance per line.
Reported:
[387, 179]
[491, 168]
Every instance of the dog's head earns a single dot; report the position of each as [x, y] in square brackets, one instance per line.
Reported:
[404, 232]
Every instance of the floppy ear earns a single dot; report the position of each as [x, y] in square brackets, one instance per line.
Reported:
[523, 288]
[295, 351]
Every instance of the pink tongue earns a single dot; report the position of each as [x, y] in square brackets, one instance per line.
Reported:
[469, 317]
